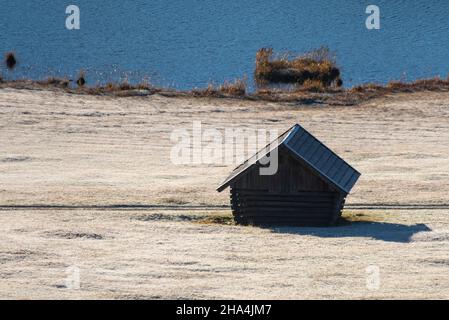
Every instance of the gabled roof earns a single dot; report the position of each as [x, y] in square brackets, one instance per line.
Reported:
[312, 153]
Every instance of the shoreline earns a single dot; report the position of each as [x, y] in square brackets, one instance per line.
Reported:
[330, 96]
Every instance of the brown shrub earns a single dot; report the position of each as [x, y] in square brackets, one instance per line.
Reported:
[264, 67]
[10, 60]
[396, 85]
[209, 91]
[423, 84]
[312, 86]
[110, 86]
[431, 83]
[216, 219]
[81, 81]
[236, 88]
[144, 85]
[124, 85]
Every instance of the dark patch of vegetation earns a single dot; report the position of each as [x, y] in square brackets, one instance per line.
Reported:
[217, 219]
[236, 88]
[432, 84]
[339, 82]
[349, 217]
[10, 60]
[316, 66]
[75, 235]
[144, 85]
[55, 82]
[81, 81]
[209, 91]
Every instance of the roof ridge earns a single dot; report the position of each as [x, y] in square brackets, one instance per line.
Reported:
[291, 133]
[319, 141]
[313, 166]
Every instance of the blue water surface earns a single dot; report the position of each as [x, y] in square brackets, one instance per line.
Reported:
[189, 43]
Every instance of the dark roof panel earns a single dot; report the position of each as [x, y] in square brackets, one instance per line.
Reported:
[322, 159]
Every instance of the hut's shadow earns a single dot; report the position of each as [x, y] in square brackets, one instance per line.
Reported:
[391, 232]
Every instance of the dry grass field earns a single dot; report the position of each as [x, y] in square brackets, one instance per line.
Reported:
[86, 184]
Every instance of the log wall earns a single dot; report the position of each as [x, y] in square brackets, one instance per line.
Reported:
[294, 196]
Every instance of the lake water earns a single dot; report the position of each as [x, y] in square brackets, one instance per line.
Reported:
[189, 43]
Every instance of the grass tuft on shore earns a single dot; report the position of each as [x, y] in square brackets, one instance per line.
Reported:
[81, 81]
[312, 86]
[236, 88]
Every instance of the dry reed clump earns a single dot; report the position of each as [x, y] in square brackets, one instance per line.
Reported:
[209, 91]
[423, 84]
[124, 85]
[144, 85]
[349, 217]
[317, 65]
[312, 86]
[110, 86]
[10, 60]
[236, 88]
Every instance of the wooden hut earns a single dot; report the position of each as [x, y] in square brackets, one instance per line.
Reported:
[309, 187]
